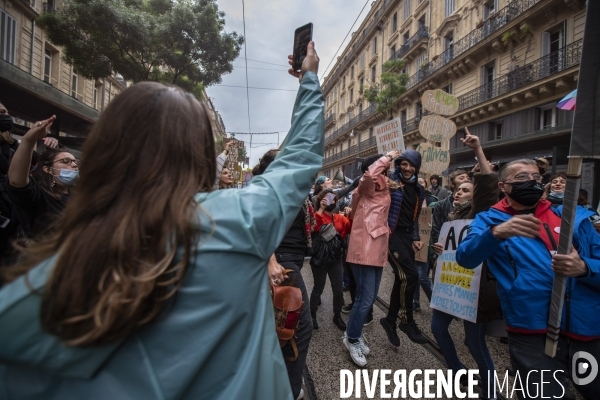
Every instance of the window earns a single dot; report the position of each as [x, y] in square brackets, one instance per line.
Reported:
[95, 96]
[552, 42]
[394, 22]
[418, 110]
[448, 88]
[344, 82]
[8, 37]
[109, 91]
[548, 116]
[488, 74]
[449, 7]
[448, 47]
[374, 49]
[393, 51]
[403, 117]
[489, 8]
[343, 103]
[351, 96]
[422, 22]
[405, 37]
[352, 72]
[496, 133]
[47, 66]
[406, 9]
[74, 84]
[362, 60]
[370, 133]
[361, 85]
[373, 74]
[420, 63]
[360, 108]
[349, 143]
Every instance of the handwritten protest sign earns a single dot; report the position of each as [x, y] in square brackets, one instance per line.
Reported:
[455, 289]
[436, 128]
[434, 160]
[439, 102]
[424, 233]
[389, 136]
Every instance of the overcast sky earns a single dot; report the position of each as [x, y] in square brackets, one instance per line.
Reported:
[270, 27]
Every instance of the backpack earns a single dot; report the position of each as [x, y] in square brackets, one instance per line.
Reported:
[287, 305]
[328, 245]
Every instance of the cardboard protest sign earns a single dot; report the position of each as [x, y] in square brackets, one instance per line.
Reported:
[436, 128]
[389, 136]
[424, 233]
[434, 160]
[439, 102]
[455, 289]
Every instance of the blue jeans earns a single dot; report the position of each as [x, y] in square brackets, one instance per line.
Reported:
[424, 281]
[367, 286]
[475, 338]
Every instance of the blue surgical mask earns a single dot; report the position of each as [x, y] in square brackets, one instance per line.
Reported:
[558, 195]
[68, 176]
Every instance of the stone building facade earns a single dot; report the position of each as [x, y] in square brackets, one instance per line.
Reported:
[507, 61]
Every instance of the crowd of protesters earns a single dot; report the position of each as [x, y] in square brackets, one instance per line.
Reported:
[113, 275]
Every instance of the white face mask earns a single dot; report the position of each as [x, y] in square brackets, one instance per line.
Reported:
[68, 176]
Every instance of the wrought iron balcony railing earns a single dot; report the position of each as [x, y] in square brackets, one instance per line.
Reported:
[500, 19]
[357, 46]
[423, 32]
[329, 119]
[553, 63]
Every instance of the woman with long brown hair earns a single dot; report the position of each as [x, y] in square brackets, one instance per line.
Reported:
[155, 286]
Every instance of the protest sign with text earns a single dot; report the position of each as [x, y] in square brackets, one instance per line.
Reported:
[434, 160]
[455, 289]
[424, 233]
[389, 136]
[436, 128]
[439, 102]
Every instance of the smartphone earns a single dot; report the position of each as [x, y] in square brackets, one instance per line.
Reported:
[330, 198]
[4, 222]
[302, 38]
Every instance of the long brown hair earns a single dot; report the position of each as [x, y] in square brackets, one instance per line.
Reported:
[147, 156]
[43, 179]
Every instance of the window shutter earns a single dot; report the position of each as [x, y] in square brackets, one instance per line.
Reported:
[545, 43]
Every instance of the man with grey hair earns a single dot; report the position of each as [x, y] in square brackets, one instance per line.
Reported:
[518, 237]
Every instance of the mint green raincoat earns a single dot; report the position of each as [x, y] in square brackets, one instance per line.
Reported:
[218, 339]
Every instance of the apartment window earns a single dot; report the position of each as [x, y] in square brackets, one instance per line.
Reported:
[394, 22]
[489, 8]
[392, 51]
[374, 50]
[403, 117]
[74, 79]
[450, 5]
[552, 42]
[109, 91]
[361, 85]
[47, 66]
[422, 22]
[343, 103]
[448, 88]
[341, 147]
[406, 37]
[349, 143]
[351, 96]
[8, 37]
[449, 47]
[344, 82]
[548, 116]
[362, 60]
[496, 133]
[95, 96]
[488, 74]
[352, 72]
[418, 110]
[373, 73]
[360, 108]
[406, 9]
[370, 133]
[420, 61]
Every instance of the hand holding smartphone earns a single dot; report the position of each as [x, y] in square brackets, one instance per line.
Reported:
[330, 198]
[302, 37]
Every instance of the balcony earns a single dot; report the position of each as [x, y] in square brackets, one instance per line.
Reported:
[501, 18]
[329, 120]
[551, 64]
[350, 124]
[387, 5]
[422, 33]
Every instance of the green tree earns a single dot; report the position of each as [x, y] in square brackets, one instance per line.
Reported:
[182, 42]
[393, 85]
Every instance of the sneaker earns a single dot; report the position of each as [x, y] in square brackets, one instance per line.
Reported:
[339, 322]
[390, 329]
[300, 395]
[414, 334]
[416, 307]
[347, 308]
[363, 344]
[368, 320]
[355, 352]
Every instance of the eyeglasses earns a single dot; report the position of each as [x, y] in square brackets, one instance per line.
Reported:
[67, 161]
[524, 176]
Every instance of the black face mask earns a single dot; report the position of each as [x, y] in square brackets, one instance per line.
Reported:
[542, 171]
[6, 123]
[330, 207]
[527, 193]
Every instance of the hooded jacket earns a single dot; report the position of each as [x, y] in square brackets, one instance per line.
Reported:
[397, 192]
[217, 339]
[370, 205]
[523, 269]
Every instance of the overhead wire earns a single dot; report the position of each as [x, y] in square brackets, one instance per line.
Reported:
[257, 88]
[247, 83]
[341, 44]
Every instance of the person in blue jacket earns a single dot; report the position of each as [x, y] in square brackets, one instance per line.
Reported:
[518, 237]
[155, 286]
